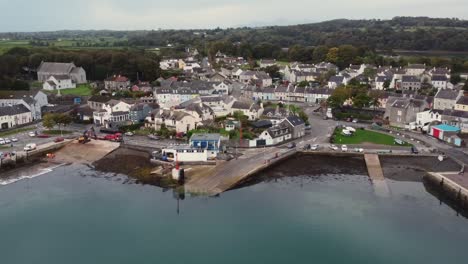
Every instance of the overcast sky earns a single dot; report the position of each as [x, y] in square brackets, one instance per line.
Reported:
[43, 15]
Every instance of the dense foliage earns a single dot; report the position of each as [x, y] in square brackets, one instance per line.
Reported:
[99, 64]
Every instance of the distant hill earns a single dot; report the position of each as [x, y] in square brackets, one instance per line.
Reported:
[407, 33]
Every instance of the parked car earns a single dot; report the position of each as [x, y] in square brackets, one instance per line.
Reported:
[291, 145]
[359, 150]
[314, 147]
[154, 137]
[333, 147]
[59, 139]
[344, 148]
[13, 139]
[30, 146]
[43, 136]
[307, 147]
[129, 134]
[2, 141]
[32, 133]
[414, 150]
[308, 127]
[399, 141]
[355, 120]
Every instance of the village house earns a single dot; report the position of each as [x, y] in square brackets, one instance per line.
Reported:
[15, 115]
[409, 82]
[380, 82]
[113, 114]
[169, 64]
[439, 81]
[275, 135]
[282, 92]
[47, 69]
[185, 153]
[139, 112]
[179, 121]
[403, 111]
[462, 104]
[209, 142]
[427, 117]
[446, 99]
[250, 109]
[259, 77]
[267, 63]
[317, 95]
[117, 83]
[34, 101]
[58, 82]
[96, 102]
[336, 81]
[415, 69]
[297, 126]
[456, 118]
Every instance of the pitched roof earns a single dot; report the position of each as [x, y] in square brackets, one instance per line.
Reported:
[207, 136]
[336, 79]
[447, 94]
[295, 120]
[99, 99]
[56, 67]
[439, 78]
[13, 110]
[463, 100]
[410, 78]
[241, 105]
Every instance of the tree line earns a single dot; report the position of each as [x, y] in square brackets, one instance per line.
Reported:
[20, 63]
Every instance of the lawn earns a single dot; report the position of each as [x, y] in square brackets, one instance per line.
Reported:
[15, 131]
[56, 132]
[365, 136]
[80, 90]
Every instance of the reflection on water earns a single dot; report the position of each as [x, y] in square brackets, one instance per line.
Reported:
[77, 215]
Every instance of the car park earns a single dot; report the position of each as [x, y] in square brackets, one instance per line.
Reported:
[13, 139]
[7, 141]
[2, 141]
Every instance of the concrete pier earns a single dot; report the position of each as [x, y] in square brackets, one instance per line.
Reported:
[374, 168]
[229, 174]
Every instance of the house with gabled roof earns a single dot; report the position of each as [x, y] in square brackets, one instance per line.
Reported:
[47, 69]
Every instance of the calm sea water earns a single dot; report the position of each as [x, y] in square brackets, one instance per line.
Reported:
[76, 215]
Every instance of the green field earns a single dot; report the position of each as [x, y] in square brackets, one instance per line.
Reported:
[15, 131]
[80, 90]
[365, 136]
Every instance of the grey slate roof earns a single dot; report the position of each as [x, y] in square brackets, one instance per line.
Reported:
[463, 100]
[447, 94]
[56, 67]
[208, 136]
[410, 78]
[295, 121]
[439, 78]
[13, 110]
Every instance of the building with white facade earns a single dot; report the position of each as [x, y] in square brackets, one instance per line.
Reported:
[58, 82]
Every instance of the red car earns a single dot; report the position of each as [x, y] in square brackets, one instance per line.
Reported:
[59, 139]
[43, 136]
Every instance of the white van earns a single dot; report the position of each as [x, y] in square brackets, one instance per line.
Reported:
[30, 146]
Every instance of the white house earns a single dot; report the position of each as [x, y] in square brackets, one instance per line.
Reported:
[112, 113]
[439, 81]
[58, 82]
[185, 154]
[179, 121]
[34, 101]
[11, 116]
[252, 110]
[277, 134]
[427, 117]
